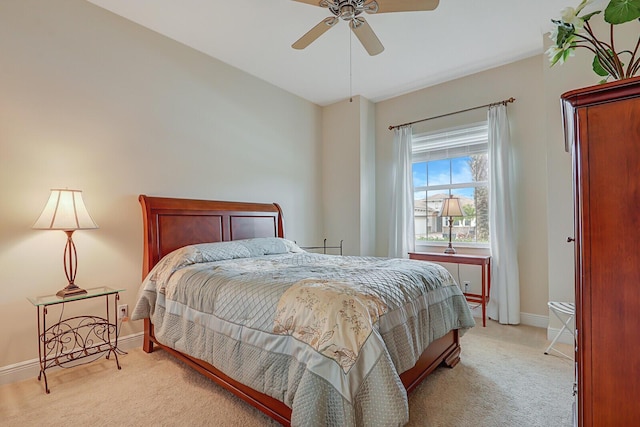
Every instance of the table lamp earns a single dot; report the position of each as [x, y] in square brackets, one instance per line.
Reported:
[65, 211]
[450, 208]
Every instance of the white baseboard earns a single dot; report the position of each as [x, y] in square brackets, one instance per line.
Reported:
[31, 368]
[543, 322]
[536, 320]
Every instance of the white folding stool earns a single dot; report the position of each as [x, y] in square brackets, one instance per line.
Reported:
[567, 309]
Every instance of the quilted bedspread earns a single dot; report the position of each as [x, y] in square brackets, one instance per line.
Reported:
[327, 335]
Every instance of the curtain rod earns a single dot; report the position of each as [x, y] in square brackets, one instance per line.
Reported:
[503, 102]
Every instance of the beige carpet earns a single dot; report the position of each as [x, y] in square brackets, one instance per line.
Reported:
[503, 379]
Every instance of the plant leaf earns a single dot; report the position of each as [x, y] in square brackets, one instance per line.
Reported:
[566, 55]
[621, 11]
[557, 57]
[597, 67]
[597, 63]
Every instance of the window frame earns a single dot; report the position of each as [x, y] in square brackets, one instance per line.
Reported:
[448, 144]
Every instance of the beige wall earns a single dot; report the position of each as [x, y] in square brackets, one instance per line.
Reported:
[92, 101]
[341, 175]
[348, 175]
[559, 79]
[367, 178]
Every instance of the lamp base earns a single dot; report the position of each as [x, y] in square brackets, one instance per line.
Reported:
[449, 250]
[70, 290]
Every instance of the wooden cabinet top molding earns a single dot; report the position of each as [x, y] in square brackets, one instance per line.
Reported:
[596, 94]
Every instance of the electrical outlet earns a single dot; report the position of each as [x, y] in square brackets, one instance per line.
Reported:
[466, 284]
[123, 312]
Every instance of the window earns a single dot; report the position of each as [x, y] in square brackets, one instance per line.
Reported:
[452, 162]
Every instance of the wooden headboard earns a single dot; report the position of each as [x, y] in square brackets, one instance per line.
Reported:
[171, 223]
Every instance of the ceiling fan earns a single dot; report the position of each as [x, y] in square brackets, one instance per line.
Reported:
[350, 11]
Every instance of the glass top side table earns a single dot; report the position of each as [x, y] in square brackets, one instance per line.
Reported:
[72, 339]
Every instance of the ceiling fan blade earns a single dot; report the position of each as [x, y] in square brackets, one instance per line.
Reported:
[315, 32]
[385, 6]
[311, 2]
[367, 37]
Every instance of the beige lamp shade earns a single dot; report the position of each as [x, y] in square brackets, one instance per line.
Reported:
[451, 207]
[65, 210]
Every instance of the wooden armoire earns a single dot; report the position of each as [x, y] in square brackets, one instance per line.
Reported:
[602, 132]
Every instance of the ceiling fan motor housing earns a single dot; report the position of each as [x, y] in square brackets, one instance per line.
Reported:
[349, 9]
[348, 12]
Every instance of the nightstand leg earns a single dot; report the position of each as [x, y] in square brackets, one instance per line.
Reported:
[484, 295]
[113, 347]
[46, 384]
[41, 349]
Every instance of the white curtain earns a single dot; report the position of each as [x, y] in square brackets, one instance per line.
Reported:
[401, 234]
[504, 303]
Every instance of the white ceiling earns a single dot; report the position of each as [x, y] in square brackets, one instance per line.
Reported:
[459, 38]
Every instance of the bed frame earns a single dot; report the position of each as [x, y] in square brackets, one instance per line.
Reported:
[171, 223]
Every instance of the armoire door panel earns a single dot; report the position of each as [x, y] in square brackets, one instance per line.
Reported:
[606, 155]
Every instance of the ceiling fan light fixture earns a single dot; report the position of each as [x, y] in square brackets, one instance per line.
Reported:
[371, 7]
[330, 22]
[347, 12]
[356, 23]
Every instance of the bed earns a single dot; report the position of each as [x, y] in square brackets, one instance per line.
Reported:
[289, 375]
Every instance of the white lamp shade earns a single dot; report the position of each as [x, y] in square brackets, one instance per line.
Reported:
[451, 207]
[66, 211]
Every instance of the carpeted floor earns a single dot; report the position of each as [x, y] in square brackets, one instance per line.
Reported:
[503, 379]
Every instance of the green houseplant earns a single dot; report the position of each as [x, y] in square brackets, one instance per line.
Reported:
[573, 31]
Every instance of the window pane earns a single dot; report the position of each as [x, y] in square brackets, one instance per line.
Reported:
[439, 172]
[420, 213]
[428, 225]
[435, 199]
[420, 174]
[482, 229]
[479, 167]
[449, 164]
[461, 170]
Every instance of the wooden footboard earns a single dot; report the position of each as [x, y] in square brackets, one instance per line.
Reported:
[444, 351]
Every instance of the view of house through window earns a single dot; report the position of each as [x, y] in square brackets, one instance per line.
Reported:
[452, 162]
